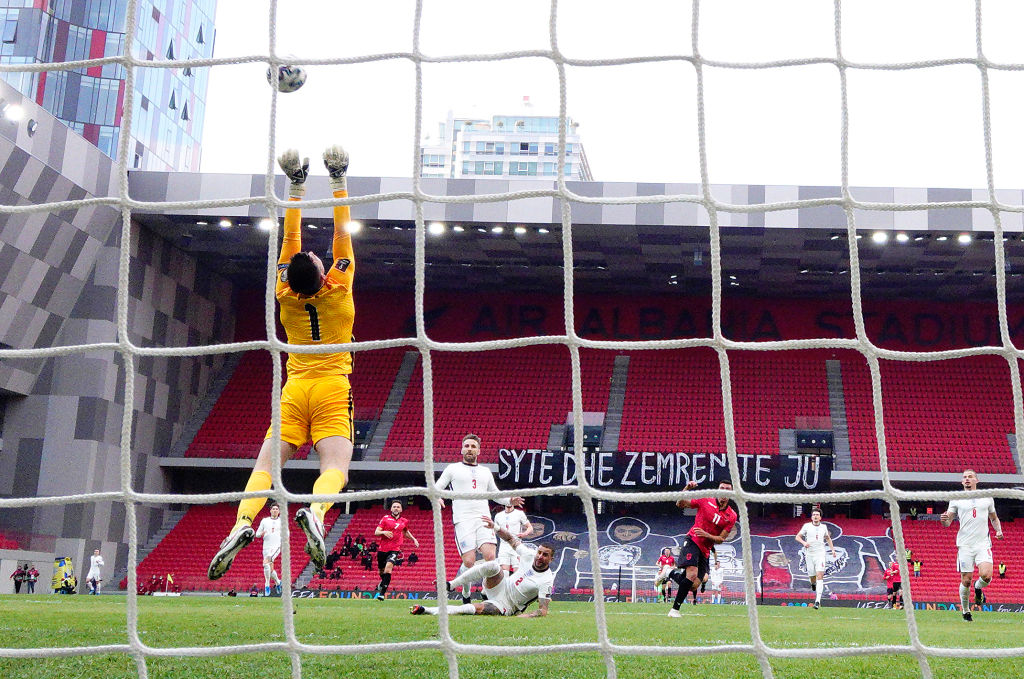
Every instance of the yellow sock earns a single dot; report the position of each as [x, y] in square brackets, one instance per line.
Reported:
[331, 481]
[250, 507]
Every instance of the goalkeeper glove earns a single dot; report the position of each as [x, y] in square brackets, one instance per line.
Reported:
[336, 161]
[296, 171]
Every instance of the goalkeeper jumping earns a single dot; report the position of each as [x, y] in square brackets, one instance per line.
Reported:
[316, 307]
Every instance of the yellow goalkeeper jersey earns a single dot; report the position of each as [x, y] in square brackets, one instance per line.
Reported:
[326, 317]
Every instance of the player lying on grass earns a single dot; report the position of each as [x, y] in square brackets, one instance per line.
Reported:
[506, 594]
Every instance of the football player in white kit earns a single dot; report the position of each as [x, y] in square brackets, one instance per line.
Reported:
[813, 537]
[716, 577]
[95, 577]
[469, 516]
[506, 594]
[974, 547]
[515, 522]
[270, 531]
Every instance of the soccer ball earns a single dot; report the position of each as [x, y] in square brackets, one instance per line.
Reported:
[290, 78]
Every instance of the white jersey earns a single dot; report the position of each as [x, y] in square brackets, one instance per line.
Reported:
[814, 536]
[95, 563]
[270, 531]
[527, 585]
[515, 522]
[973, 517]
[717, 577]
[467, 478]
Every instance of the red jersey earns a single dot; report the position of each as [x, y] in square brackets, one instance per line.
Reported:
[397, 528]
[711, 519]
[892, 574]
[667, 560]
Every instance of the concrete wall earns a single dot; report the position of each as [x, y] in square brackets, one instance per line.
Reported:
[62, 416]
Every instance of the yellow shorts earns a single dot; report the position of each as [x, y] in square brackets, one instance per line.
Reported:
[315, 408]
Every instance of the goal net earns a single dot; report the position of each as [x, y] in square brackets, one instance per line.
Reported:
[689, 55]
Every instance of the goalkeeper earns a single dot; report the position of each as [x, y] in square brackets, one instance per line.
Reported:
[316, 307]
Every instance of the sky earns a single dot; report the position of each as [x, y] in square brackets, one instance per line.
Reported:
[915, 128]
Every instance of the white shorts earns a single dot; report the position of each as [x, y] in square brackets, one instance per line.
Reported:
[507, 556]
[816, 562]
[272, 553]
[498, 597]
[968, 557]
[715, 586]
[94, 575]
[471, 534]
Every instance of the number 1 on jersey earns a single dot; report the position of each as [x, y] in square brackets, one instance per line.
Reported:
[314, 323]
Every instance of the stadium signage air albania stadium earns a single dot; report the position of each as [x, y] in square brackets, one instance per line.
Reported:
[661, 471]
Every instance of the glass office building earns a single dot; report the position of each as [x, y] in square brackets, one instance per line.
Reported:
[167, 115]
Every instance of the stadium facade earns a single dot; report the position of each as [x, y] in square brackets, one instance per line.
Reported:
[507, 146]
[169, 104]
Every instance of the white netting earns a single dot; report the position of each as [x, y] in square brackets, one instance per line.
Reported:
[587, 494]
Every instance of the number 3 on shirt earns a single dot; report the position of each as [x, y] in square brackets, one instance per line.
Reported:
[474, 484]
[314, 323]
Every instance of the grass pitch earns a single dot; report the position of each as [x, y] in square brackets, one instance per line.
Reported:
[55, 621]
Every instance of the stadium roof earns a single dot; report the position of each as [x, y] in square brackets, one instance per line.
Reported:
[947, 252]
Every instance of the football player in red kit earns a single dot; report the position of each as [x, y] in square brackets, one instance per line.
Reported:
[715, 518]
[391, 530]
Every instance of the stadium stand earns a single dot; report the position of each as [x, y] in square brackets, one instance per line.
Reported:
[8, 542]
[413, 577]
[937, 412]
[236, 426]
[939, 416]
[674, 399]
[509, 398]
[935, 547]
[185, 551]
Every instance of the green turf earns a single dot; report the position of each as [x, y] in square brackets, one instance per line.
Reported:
[211, 621]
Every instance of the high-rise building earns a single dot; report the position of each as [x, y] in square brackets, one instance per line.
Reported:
[517, 146]
[167, 115]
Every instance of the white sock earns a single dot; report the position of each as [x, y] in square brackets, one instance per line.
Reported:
[462, 609]
[979, 583]
[484, 569]
[819, 587]
[266, 575]
[277, 578]
[964, 601]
